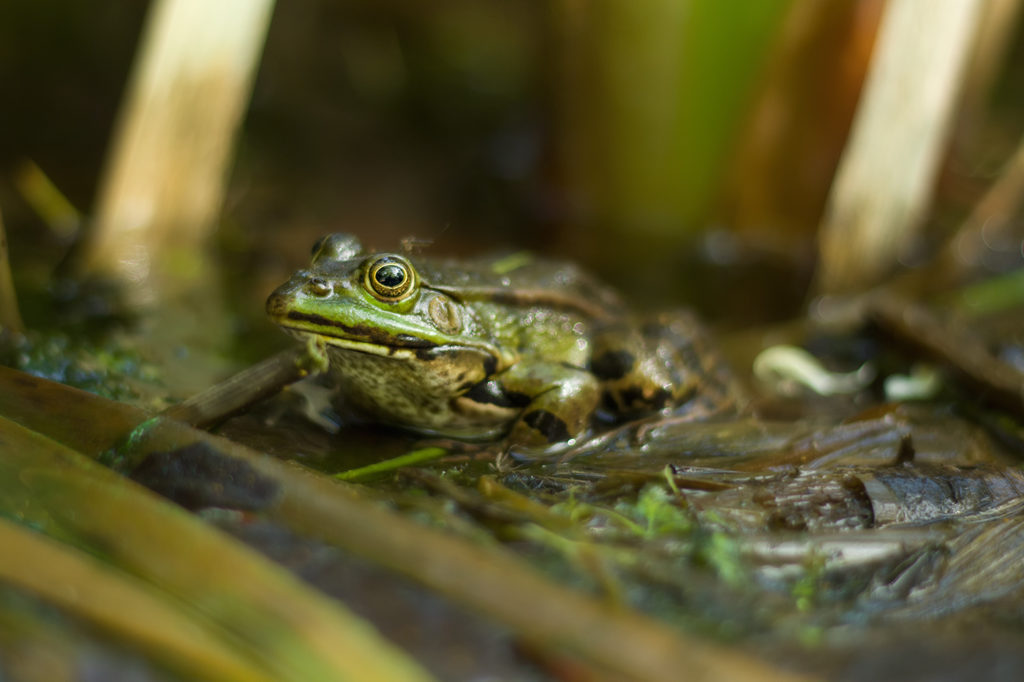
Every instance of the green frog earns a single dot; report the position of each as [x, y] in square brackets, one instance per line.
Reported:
[518, 347]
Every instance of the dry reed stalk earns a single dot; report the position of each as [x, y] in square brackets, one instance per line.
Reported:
[164, 182]
[882, 188]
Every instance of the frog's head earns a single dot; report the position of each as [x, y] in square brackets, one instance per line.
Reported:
[374, 303]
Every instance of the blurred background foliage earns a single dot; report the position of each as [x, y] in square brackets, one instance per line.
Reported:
[682, 149]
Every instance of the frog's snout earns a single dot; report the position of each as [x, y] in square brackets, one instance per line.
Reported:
[283, 297]
[277, 305]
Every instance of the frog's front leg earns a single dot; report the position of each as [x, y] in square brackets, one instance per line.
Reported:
[557, 402]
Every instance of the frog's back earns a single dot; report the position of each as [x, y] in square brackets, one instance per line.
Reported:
[523, 280]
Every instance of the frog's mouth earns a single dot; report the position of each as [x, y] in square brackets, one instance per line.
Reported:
[358, 337]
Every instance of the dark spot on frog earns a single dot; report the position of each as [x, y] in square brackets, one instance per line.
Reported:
[492, 393]
[199, 475]
[633, 398]
[659, 399]
[548, 424]
[490, 365]
[611, 365]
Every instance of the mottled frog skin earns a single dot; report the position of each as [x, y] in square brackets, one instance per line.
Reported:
[515, 347]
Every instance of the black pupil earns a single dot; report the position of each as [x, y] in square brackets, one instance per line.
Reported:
[390, 276]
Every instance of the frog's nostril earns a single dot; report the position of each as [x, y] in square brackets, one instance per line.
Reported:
[318, 287]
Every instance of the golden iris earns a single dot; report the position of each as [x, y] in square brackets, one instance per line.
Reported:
[390, 277]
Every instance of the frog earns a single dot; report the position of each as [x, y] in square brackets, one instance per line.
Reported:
[532, 352]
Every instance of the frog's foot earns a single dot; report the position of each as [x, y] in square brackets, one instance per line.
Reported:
[631, 435]
[635, 434]
[697, 410]
[518, 453]
[314, 403]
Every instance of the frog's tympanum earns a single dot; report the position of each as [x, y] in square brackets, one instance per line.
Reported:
[478, 349]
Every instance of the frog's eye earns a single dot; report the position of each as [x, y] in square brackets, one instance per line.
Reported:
[390, 277]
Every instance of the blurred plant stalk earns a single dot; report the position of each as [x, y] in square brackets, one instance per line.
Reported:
[883, 186]
[113, 553]
[797, 127]
[46, 199]
[163, 186]
[652, 95]
[994, 40]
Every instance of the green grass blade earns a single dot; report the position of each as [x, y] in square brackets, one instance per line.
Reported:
[257, 608]
[408, 459]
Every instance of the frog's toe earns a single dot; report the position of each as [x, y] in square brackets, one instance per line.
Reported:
[542, 426]
[526, 453]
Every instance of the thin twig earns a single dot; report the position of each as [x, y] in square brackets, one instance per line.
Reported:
[243, 389]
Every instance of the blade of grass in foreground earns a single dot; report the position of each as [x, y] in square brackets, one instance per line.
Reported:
[253, 608]
[491, 581]
[130, 609]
